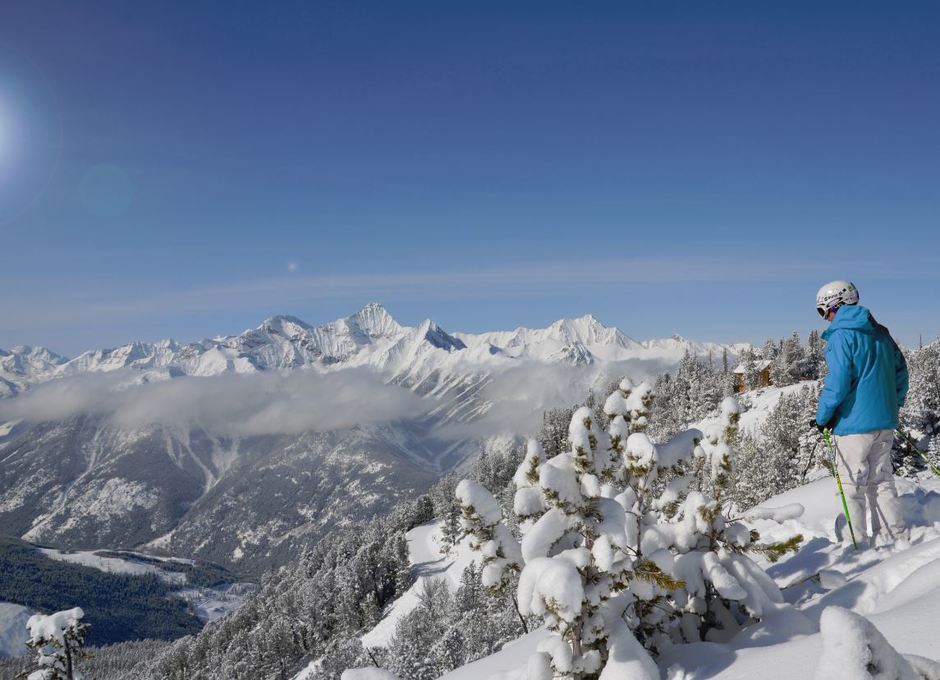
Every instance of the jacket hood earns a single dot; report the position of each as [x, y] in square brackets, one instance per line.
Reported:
[851, 317]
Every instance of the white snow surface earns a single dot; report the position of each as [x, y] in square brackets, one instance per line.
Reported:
[892, 590]
[114, 565]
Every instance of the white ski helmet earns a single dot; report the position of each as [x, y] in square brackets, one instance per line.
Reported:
[835, 294]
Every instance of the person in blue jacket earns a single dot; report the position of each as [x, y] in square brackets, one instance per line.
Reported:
[863, 392]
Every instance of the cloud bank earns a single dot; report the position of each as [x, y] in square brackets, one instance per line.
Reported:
[521, 394]
[271, 403]
[233, 405]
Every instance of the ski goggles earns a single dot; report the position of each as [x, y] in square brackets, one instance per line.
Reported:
[823, 310]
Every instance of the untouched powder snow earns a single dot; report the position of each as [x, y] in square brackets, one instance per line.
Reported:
[895, 588]
[883, 601]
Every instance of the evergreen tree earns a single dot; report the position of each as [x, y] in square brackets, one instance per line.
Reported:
[785, 450]
[411, 654]
[482, 521]
[620, 548]
[815, 358]
[553, 436]
[58, 640]
[788, 365]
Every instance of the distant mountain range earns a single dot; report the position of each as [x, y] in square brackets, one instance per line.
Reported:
[82, 479]
[371, 337]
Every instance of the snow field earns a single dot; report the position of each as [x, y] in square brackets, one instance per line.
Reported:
[857, 599]
[113, 565]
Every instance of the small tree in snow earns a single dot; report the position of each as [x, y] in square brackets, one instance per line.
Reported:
[58, 639]
[622, 551]
[482, 520]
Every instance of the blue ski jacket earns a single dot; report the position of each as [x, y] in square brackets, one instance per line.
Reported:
[867, 380]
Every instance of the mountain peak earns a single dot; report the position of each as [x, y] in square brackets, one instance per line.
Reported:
[438, 337]
[375, 321]
[588, 330]
[284, 324]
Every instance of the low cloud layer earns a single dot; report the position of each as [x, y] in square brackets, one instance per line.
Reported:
[272, 403]
[235, 405]
[521, 394]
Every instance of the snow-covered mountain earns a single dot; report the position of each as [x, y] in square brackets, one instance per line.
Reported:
[96, 453]
[24, 365]
[370, 337]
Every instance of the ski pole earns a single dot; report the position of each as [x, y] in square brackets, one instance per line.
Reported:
[910, 442]
[835, 470]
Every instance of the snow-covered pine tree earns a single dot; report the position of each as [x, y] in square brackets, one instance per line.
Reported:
[577, 552]
[482, 520]
[814, 358]
[785, 450]
[921, 413]
[771, 349]
[58, 640]
[410, 655]
[788, 365]
[553, 435]
[619, 548]
[450, 528]
[748, 362]
[638, 407]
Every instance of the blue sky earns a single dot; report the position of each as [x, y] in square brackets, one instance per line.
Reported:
[187, 169]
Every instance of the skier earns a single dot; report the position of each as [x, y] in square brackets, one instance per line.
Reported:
[864, 390]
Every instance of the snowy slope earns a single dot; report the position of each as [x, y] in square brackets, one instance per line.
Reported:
[897, 588]
[430, 563]
[756, 406]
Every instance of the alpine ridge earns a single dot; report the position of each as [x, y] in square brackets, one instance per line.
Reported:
[90, 476]
[370, 337]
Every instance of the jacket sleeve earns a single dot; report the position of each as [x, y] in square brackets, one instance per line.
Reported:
[901, 380]
[838, 380]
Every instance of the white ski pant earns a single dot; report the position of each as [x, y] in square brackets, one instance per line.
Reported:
[864, 463]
